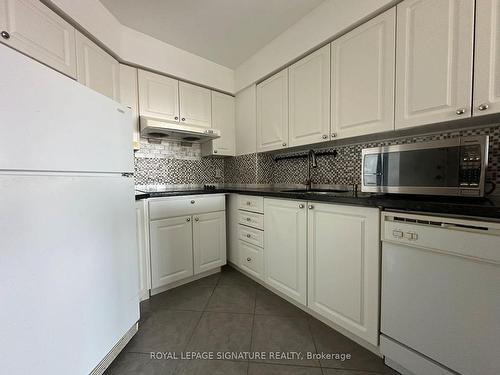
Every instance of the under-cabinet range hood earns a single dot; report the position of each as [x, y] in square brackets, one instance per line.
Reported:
[161, 129]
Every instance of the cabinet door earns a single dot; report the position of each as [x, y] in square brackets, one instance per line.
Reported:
[433, 61]
[209, 241]
[143, 249]
[246, 122]
[158, 96]
[195, 105]
[129, 96]
[223, 120]
[487, 58]
[40, 33]
[363, 68]
[343, 267]
[96, 68]
[233, 254]
[171, 250]
[285, 247]
[272, 112]
[309, 98]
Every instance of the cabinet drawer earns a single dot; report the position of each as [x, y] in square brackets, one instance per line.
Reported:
[251, 219]
[160, 208]
[252, 259]
[251, 203]
[251, 235]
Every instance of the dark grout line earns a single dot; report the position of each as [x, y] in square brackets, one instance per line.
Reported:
[251, 331]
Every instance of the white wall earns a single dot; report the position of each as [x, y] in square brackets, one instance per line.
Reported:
[329, 19]
[136, 48]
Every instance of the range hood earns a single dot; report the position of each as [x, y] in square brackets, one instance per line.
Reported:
[162, 129]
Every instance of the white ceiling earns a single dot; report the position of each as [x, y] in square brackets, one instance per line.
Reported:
[227, 32]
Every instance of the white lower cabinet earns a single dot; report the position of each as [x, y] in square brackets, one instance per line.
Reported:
[209, 241]
[343, 267]
[187, 237]
[171, 250]
[143, 249]
[232, 212]
[285, 244]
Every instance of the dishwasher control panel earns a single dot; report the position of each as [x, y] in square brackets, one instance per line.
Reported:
[467, 238]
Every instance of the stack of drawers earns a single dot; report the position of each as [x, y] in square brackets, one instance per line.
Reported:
[251, 234]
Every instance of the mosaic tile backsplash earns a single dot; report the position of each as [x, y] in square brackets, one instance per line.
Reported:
[176, 163]
[345, 168]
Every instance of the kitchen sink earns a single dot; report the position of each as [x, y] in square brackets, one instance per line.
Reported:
[318, 191]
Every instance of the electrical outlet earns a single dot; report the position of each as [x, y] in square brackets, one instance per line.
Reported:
[218, 173]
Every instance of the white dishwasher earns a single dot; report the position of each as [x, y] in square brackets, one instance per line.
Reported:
[440, 307]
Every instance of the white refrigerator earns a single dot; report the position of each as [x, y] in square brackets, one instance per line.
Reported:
[68, 249]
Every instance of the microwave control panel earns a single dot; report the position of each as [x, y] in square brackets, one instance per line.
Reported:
[470, 165]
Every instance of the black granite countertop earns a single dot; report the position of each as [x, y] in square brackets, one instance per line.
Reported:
[466, 207]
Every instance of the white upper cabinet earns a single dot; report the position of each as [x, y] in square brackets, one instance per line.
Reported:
[343, 266]
[309, 98]
[209, 241]
[97, 69]
[433, 61]
[129, 96]
[487, 58]
[223, 119]
[363, 69]
[32, 28]
[246, 123]
[195, 105]
[158, 96]
[285, 244]
[272, 112]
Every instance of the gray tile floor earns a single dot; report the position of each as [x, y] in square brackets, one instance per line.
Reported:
[229, 312]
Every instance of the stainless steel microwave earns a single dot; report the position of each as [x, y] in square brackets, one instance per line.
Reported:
[454, 166]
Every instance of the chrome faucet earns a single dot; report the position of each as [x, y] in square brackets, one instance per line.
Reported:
[311, 162]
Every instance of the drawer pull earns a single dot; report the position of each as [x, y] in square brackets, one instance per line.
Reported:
[188, 219]
[249, 203]
[249, 235]
[192, 202]
[249, 259]
[196, 219]
[249, 219]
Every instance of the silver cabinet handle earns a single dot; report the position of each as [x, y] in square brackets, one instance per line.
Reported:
[196, 219]
[460, 111]
[249, 235]
[284, 144]
[5, 35]
[310, 207]
[188, 219]
[334, 135]
[324, 136]
[192, 202]
[301, 205]
[183, 119]
[249, 259]
[483, 107]
[215, 151]
[176, 117]
[249, 219]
